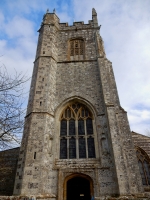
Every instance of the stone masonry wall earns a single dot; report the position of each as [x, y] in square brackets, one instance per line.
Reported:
[140, 139]
[8, 166]
[79, 79]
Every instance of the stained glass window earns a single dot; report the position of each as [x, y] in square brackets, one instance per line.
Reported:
[76, 124]
[147, 170]
[63, 148]
[142, 172]
[72, 127]
[81, 127]
[89, 126]
[72, 148]
[63, 130]
[144, 165]
[82, 148]
[91, 148]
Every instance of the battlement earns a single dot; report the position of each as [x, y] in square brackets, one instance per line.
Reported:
[63, 24]
[76, 26]
[52, 18]
[78, 23]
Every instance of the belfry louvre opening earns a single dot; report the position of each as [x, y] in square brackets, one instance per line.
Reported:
[76, 47]
[76, 132]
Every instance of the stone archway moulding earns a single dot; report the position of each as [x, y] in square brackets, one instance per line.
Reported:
[61, 106]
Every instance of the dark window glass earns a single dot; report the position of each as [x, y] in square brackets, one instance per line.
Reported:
[73, 106]
[63, 148]
[86, 113]
[69, 113]
[81, 127]
[91, 148]
[78, 105]
[89, 126]
[72, 127]
[142, 173]
[82, 149]
[63, 129]
[147, 169]
[72, 148]
[82, 112]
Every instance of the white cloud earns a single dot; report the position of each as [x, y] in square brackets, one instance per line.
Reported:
[125, 31]
[18, 46]
[19, 27]
[29, 7]
[139, 120]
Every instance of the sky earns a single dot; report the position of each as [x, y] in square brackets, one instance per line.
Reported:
[125, 29]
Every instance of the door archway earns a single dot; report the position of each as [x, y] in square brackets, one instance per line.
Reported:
[79, 188]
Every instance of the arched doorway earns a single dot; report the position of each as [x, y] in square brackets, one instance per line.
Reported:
[78, 188]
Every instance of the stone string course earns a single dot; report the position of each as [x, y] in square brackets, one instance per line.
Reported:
[47, 197]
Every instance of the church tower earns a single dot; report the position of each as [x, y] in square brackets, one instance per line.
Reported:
[77, 142]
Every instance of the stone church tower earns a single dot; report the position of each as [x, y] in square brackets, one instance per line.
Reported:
[77, 142]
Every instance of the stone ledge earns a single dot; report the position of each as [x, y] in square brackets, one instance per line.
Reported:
[29, 197]
[143, 196]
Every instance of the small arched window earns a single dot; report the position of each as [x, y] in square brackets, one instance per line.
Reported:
[76, 49]
[76, 132]
[144, 165]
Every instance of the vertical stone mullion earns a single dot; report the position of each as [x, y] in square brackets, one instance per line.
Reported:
[86, 144]
[68, 139]
[77, 139]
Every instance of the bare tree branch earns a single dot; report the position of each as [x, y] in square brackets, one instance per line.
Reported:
[11, 107]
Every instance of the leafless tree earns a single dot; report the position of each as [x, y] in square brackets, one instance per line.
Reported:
[11, 107]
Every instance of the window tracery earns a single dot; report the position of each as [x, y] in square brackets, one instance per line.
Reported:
[144, 165]
[76, 132]
[77, 48]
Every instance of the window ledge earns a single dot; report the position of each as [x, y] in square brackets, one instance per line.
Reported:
[78, 163]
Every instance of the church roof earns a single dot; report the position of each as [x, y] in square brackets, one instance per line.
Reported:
[141, 141]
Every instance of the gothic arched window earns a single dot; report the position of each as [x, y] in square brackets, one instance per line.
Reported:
[76, 49]
[144, 165]
[76, 133]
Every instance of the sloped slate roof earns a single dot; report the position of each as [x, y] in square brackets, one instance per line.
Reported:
[141, 141]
